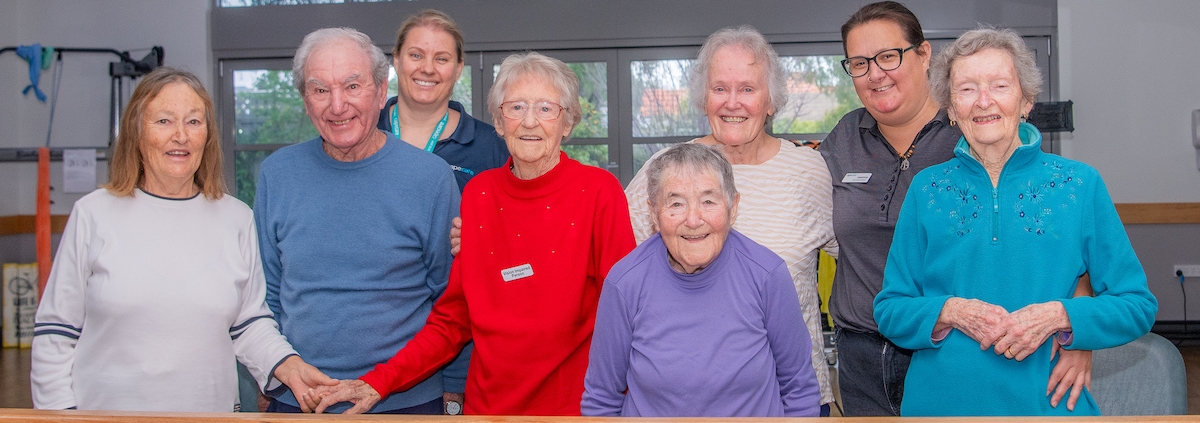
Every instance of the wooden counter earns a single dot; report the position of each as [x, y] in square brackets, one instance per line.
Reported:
[24, 415]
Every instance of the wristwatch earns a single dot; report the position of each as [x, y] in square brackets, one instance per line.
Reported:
[453, 408]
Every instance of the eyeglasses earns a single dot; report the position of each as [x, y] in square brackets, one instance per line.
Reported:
[543, 110]
[887, 60]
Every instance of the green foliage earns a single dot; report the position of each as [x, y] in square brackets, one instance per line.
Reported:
[270, 113]
[592, 155]
[273, 113]
[592, 125]
[593, 97]
[834, 94]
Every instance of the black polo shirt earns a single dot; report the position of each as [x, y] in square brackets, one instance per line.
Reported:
[868, 189]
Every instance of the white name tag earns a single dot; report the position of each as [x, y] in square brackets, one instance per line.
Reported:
[856, 178]
[514, 273]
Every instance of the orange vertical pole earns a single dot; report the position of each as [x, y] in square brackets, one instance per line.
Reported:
[42, 219]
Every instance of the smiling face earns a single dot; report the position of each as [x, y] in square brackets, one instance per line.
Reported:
[340, 97]
[427, 66]
[174, 130]
[896, 96]
[986, 99]
[693, 217]
[738, 100]
[531, 141]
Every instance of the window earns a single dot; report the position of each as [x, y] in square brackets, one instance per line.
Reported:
[268, 114]
[635, 102]
[591, 141]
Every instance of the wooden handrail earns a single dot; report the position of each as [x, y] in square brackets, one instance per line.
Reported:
[1158, 213]
[23, 224]
[1131, 214]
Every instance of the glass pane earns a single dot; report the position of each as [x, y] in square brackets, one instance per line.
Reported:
[461, 93]
[660, 100]
[245, 173]
[642, 152]
[268, 109]
[591, 155]
[819, 93]
[593, 97]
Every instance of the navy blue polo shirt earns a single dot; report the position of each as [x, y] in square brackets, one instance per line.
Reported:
[473, 147]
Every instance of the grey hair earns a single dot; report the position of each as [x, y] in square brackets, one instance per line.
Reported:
[379, 61]
[695, 157]
[1029, 77]
[749, 39]
[540, 67]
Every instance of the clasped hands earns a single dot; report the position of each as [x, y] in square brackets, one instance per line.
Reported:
[1019, 334]
[355, 391]
[1016, 335]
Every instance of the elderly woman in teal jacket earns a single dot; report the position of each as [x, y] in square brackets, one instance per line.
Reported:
[989, 245]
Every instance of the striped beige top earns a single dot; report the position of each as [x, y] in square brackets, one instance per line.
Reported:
[786, 205]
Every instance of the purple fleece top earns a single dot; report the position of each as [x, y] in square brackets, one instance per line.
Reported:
[726, 341]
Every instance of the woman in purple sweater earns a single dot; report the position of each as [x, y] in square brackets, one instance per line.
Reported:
[698, 320]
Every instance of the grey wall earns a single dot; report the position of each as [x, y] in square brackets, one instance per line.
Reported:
[1129, 69]
[81, 118]
[546, 24]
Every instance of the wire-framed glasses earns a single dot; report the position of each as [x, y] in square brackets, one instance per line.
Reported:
[887, 60]
[543, 110]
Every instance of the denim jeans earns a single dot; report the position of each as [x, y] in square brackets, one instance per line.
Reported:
[432, 407]
[871, 373]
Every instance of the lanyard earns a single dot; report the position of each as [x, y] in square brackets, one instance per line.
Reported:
[433, 138]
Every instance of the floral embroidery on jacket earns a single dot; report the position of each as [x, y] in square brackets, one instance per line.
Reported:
[964, 206]
[1036, 201]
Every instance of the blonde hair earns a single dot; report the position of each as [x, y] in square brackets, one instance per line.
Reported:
[430, 18]
[125, 169]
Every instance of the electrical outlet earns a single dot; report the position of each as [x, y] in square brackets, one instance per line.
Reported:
[1188, 270]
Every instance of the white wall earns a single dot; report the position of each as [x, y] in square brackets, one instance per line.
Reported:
[82, 115]
[1132, 70]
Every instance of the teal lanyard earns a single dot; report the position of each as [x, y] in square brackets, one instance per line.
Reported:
[433, 138]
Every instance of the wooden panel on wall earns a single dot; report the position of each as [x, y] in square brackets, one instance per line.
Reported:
[23, 224]
[1131, 214]
[1153, 213]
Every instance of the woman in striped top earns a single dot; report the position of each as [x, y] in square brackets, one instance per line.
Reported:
[786, 195]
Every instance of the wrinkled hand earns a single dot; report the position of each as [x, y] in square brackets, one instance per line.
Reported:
[981, 321]
[301, 377]
[362, 395]
[1073, 371]
[455, 236]
[1029, 327]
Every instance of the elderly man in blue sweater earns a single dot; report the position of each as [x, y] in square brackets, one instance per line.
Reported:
[354, 227]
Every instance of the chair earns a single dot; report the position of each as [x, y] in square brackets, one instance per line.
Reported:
[247, 390]
[1143, 377]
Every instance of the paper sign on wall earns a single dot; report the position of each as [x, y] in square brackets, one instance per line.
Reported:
[79, 170]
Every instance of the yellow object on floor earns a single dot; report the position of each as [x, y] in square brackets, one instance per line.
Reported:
[826, 265]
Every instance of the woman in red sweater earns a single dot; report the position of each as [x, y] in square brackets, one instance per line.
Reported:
[539, 236]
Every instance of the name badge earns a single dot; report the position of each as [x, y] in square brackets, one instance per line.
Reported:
[518, 272]
[856, 178]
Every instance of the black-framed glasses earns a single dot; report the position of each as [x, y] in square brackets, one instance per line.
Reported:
[887, 60]
[543, 110]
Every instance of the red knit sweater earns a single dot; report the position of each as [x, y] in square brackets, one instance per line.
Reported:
[532, 333]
